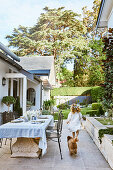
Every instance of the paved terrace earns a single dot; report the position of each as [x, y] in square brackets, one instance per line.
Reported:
[88, 157]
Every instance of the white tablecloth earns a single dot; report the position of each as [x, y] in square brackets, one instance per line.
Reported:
[27, 129]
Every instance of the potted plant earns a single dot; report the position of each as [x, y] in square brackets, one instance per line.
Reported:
[8, 100]
[17, 107]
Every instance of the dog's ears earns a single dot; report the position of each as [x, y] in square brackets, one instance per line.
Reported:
[68, 138]
[76, 139]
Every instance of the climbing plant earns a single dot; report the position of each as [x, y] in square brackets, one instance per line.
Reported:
[108, 69]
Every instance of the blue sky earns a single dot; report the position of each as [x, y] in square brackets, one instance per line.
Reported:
[26, 12]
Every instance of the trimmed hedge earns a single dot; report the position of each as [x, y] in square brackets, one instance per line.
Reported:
[97, 93]
[71, 91]
[96, 106]
[63, 106]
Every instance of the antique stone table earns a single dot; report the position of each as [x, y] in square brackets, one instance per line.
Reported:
[31, 136]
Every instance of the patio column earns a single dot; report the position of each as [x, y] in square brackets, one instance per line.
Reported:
[21, 93]
[24, 94]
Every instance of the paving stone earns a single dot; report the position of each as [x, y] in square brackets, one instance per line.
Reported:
[87, 158]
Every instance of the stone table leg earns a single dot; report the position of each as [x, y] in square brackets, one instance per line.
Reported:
[25, 147]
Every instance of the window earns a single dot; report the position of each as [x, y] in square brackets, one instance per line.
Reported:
[31, 95]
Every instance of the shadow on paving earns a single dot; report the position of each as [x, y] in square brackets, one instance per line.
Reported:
[87, 158]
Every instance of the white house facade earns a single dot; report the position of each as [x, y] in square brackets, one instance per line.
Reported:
[18, 82]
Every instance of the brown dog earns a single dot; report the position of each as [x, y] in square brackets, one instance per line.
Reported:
[72, 145]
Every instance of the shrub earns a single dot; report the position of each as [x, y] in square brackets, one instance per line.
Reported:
[97, 93]
[92, 112]
[100, 111]
[63, 106]
[105, 131]
[47, 104]
[46, 112]
[96, 106]
[17, 107]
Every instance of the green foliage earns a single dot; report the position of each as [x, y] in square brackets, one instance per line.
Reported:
[8, 100]
[70, 91]
[108, 69]
[96, 106]
[92, 112]
[97, 93]
[100, 111]
[58, 32]
[66, 77]
[105, 121]
[63, 106]
[17, 107]
[85, 109]
[95, 72]
[46, 112]
[105, 131]
[90, 16]
[47, 104]
[29, 103]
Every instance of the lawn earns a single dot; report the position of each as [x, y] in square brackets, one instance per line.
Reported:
[66, 112]
[105, 121]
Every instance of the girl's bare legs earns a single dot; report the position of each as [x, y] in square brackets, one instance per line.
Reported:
[77, 132]
[73, 133]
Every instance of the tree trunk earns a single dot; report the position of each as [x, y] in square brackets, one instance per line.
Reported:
[75, 71]
[55, 54]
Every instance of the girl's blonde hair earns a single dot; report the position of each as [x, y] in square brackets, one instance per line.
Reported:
[73, 110]
[78, 109]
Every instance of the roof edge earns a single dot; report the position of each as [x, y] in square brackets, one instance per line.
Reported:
[99, 14]
[10, 53]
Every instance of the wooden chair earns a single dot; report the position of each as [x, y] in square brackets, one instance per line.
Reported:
[55, 133]
[7, 117]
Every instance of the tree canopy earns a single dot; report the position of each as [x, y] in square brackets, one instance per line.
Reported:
[63, 34]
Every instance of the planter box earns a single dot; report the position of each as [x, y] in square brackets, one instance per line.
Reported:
[106, 147]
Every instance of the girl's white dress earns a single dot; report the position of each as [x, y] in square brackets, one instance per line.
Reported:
[74, 121]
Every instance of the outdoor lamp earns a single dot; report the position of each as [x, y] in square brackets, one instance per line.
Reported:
[3, 81]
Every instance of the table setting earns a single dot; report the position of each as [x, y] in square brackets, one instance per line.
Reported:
[28, 127]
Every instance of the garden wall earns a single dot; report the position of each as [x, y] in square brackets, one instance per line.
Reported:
[72, 99]
[106, 147]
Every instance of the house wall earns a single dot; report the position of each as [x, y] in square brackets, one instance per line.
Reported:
[3, 89]
[52, 76]
[37, 88]
[46, 94]
[110, 21]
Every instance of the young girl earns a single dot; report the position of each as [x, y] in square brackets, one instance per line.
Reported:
[74, 120]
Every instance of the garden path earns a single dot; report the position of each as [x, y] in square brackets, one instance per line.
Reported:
[88, 157]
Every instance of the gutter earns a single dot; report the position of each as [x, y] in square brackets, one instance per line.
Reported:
[10, 61]
[38, 79]
[7, 51]
[99, 14]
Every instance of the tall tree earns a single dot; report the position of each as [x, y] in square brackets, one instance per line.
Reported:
[58, 32]
[90, 17]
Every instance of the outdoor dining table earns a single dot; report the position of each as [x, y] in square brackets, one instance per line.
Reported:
[26, 133]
